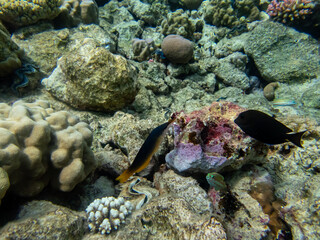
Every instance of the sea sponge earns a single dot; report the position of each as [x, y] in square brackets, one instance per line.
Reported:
[177, 49]
[20, 12]
[106, 214]
[39, 146]
[178, 22]
[269, 90]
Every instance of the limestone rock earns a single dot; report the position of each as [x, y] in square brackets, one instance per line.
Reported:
[93, 78]
[283, 54]
[44, 220]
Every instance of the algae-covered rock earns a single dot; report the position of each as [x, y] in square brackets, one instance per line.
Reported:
[4, 183]
[91, 77]
[311, 97]
[44, 220]
[44, 45]
[10, 53]
[283, 54]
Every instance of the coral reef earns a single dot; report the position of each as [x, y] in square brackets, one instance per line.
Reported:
[39, 146]
[209, 141]
[85, 80]
[178, 22]
[10, 54]
[74, 12]
[177, 49]
[20, 13]
[290, 11]
[269, 90]
[106, 214]
[142, 49]
[230, 13]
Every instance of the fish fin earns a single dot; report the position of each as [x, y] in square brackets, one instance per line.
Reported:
[125, 175]
[295, 138]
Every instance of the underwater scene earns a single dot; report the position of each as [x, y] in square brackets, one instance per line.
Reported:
[160, 119]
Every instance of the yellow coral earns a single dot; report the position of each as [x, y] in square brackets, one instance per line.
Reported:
[21, 12]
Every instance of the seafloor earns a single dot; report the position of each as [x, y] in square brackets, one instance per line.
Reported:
[84, 82]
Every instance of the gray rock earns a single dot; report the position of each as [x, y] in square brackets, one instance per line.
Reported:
[283, 54]
[44, 220]
[311, 97]
[93, 78]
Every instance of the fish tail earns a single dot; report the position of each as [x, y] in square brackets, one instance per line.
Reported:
[125, 175]
[295, 138]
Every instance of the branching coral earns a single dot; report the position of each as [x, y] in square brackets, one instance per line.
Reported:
[106, 214]
[290, 11]
[20, 12]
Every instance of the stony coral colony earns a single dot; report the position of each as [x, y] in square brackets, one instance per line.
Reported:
[287, 11]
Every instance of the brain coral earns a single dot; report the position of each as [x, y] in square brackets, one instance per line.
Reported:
[21, 12]
[39, 146]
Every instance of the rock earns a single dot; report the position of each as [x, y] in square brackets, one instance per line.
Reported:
[4, 183]
[177, 49]
[44, 220]
[280, 53]
[93, 78]
[44, 45]
[208, 140]
[10, 54]
[311, 97]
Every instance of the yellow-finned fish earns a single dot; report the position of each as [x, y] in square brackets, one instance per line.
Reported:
[148, 148]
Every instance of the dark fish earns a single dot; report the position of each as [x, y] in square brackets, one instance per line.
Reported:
[266, 128]
[148, 148]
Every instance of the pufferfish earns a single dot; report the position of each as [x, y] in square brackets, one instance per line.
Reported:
[148, 148]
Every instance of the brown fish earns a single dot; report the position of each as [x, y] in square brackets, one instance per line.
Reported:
[148, 148]
[266, 129]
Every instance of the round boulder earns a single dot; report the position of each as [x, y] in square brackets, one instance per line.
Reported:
[177, 49]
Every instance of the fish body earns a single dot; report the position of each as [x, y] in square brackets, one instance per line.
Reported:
[266, 129]
[216, 181]
[148, 148]
[283, 102]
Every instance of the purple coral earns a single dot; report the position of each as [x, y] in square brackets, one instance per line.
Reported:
[289, 11]
[208, 140]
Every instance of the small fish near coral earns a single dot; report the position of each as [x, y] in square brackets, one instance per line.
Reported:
[266, 129]
[148, 148]
[216, 181]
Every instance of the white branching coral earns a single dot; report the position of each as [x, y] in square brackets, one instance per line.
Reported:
[106, 214]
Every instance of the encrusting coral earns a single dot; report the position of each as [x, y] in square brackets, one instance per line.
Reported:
[106, 214]
[20, 12]
[39, 146]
